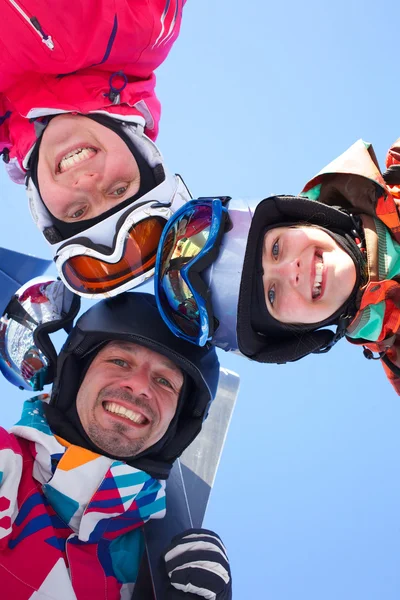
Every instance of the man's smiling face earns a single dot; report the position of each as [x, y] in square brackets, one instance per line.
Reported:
[128, 398]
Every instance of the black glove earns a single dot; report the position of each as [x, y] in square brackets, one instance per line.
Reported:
[198, 567]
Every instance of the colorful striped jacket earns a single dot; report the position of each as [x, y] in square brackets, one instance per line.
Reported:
[70, 519]
[354, 182]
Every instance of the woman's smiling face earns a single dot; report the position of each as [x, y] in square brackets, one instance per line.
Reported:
[307, 275]
[84, 168]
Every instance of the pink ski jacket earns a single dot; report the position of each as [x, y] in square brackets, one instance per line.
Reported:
[80, 56]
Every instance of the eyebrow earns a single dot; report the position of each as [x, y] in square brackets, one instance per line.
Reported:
[267, 241]
[272, 237]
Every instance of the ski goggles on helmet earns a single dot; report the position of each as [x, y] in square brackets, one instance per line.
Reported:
[189, 244]
[94, 270]
[40, 307]
[119, 253]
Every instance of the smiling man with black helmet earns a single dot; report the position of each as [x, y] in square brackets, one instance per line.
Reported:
[82, 473]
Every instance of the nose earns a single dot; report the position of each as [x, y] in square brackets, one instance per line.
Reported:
[87, 181]
[289, 271]
[90, 185]
[138, 381]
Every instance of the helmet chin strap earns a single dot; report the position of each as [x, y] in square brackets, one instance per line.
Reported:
[339, 333]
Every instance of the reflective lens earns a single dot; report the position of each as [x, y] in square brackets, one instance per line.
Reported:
[20, 361]
[39, 302]
[184, 242]
[93, 275]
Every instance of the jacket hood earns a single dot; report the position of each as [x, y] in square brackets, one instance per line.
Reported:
[354, 182]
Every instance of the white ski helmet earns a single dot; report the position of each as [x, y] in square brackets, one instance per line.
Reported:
[115, 251]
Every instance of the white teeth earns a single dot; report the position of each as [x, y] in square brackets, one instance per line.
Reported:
[124, 412]
[71, 158]
[319, 268]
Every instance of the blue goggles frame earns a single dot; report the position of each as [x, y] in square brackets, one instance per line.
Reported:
[190, 272]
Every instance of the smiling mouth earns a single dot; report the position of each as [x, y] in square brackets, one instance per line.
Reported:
[319, 270]
[125, 413]
[74, 157]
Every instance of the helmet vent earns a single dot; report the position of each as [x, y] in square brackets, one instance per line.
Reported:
[52, 235]
[159, 173]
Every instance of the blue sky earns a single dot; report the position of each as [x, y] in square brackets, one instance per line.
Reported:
[256, 98]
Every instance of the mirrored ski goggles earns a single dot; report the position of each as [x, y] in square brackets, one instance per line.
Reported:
[93, 270]
[27, 356]
[189, 244]
[25, 367]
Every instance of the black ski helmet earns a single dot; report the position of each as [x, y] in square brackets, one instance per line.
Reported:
[134, 317]
[290, 344]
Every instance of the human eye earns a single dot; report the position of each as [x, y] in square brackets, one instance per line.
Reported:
[271, 295]
[275, 249]
[120, 362]
[78, 213]
[119, 191]
[165, 382]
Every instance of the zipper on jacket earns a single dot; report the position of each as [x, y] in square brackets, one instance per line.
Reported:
[34, 23]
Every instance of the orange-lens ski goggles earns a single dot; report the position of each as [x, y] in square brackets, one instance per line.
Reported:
[136, 249]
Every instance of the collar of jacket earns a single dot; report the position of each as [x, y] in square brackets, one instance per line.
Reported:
[354, 182]
[94, 495]
[374, 321]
